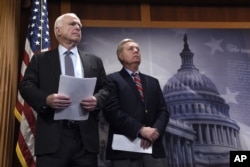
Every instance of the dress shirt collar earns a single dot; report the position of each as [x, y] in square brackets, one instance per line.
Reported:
[130, 72]
[62, 50]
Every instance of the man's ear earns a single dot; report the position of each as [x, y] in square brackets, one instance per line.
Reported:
[58, 31]
[120, 57]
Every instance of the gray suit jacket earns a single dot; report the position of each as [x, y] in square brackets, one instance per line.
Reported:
[41, 79]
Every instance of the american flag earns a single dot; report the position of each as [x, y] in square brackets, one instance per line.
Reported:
[37, 40]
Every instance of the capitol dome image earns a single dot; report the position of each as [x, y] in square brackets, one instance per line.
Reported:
[200, 132]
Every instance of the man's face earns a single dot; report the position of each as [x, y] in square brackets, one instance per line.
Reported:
[130, 54]
[70, 31]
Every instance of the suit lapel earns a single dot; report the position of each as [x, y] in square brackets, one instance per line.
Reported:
[131, 83]
[85, 63]
[54, 62]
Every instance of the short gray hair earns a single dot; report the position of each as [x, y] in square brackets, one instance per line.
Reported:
[59, 20]
[121, 44]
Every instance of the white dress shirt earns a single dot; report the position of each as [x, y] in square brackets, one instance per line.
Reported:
[78, 68]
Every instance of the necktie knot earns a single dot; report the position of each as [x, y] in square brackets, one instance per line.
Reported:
[135, 74]
[68, 52]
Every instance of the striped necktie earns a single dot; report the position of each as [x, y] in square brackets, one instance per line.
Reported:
[69, 67]
[138, 83]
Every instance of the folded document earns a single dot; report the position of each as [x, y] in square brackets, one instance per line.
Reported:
[123, 143]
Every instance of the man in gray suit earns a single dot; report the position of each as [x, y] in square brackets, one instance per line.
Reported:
[136, 109]
[64, 143]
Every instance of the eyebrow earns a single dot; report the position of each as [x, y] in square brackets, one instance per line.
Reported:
[74, 23]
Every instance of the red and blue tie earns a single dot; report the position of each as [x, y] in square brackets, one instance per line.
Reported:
[138, 83]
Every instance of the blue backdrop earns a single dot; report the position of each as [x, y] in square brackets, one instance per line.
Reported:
[222, 55]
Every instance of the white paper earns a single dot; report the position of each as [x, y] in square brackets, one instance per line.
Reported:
[123, 143]
[77, 89]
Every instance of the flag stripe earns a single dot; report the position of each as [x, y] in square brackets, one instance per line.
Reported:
[30, 117]
[37, 40]
[23, 153]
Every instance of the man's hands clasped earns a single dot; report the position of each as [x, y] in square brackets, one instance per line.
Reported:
[149, 136]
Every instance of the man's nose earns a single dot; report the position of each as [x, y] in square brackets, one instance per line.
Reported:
[78, 26]
[136, 49]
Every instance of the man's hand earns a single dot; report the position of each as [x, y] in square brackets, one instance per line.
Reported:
[149, 133]
[145, 143]
[89, 104]
[58, 101]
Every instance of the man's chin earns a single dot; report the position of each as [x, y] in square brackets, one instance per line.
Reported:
[137, 62]
[76, 40]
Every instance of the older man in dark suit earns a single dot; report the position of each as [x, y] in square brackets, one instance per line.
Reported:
[136, 109]
[64, 143]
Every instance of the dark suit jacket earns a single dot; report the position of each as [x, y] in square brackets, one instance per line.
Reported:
[41, 79]
[126, 113]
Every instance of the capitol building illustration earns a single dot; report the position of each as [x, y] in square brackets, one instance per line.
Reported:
[200, 132]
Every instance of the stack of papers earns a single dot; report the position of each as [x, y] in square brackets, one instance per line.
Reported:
[77, 89]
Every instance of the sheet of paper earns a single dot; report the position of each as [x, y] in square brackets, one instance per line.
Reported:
[77, 89]
[122, 143]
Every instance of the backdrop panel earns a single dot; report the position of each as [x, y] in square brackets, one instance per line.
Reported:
[212, 104]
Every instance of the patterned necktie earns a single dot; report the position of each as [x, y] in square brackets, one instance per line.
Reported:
[137, 80]
[69, 68]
